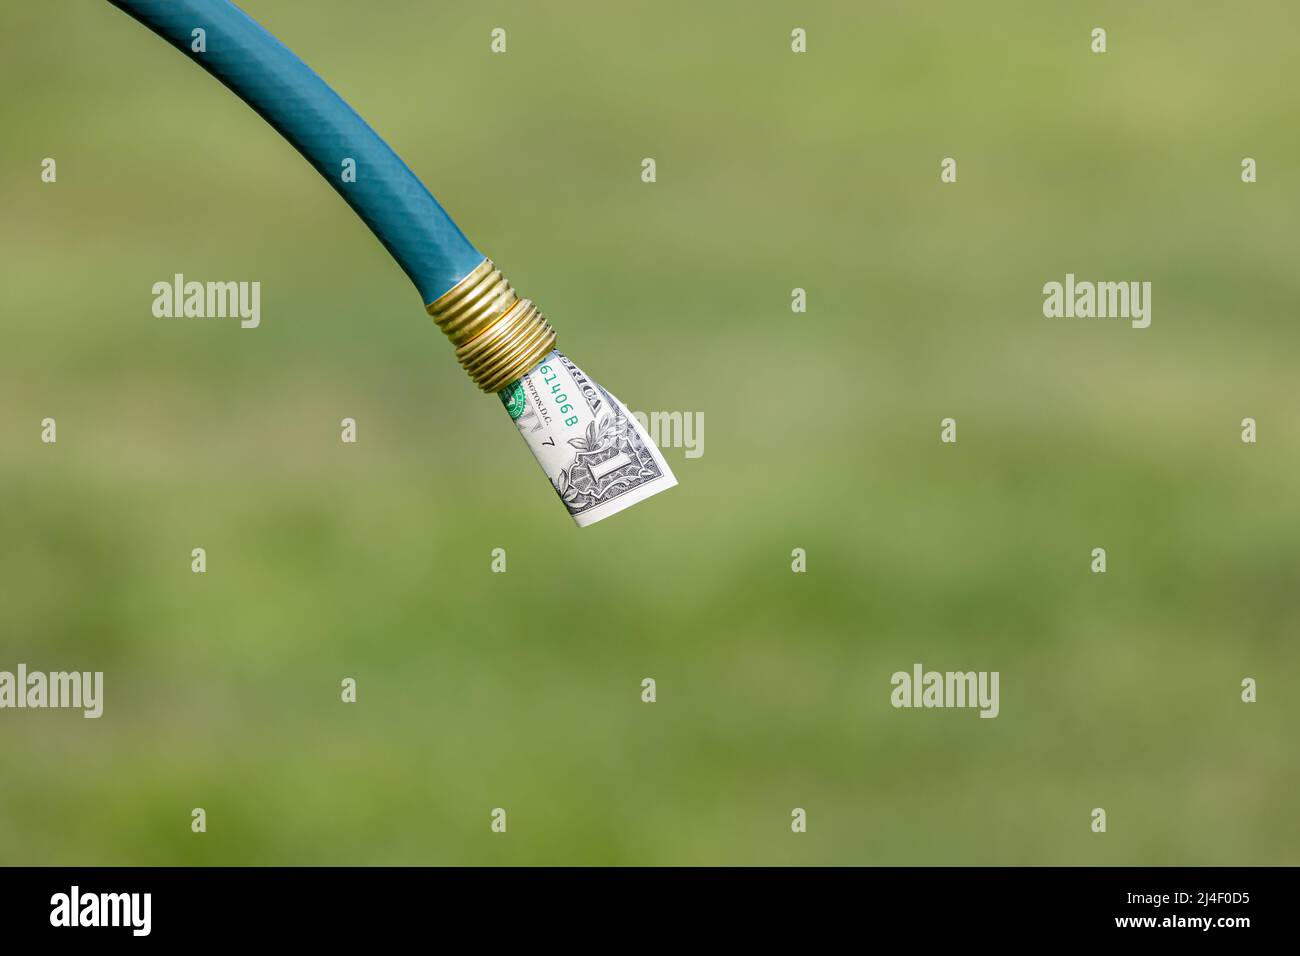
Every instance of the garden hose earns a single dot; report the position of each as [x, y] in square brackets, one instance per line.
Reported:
[595, 452]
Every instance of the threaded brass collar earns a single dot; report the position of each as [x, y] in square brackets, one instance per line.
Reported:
[498, 336]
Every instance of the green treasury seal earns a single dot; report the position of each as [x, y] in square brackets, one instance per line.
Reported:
[513, 398]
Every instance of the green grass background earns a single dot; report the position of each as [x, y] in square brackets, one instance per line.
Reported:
[480, 690]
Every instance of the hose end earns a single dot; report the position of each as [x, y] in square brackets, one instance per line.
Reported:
[498, 336]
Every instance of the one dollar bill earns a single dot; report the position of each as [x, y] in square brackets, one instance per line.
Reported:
[597, 455]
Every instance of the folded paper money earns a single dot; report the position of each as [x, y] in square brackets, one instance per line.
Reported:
[593, 450]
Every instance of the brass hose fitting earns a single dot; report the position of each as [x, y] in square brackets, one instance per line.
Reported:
[498, 336]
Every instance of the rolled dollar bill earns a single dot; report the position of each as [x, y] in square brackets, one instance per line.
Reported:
[597, 455]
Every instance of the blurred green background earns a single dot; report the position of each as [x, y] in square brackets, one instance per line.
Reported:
[522, 690]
